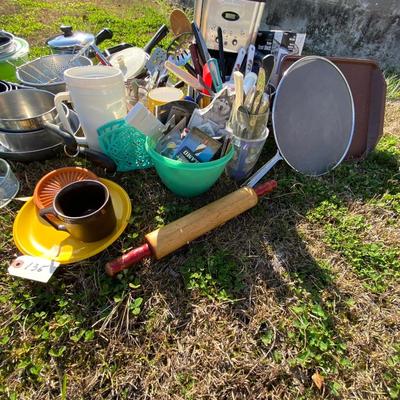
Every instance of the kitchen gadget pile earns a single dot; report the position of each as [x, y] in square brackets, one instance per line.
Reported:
[204, 104]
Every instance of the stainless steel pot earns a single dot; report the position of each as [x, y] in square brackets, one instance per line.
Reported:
[38, 139]
[23, 146]
[26, 110]
[28, 141]
[65, 141]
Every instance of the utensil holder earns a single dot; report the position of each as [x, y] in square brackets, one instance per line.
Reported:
[250, 126]
[247, 153]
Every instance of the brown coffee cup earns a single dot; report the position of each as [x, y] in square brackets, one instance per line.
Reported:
[85, 210]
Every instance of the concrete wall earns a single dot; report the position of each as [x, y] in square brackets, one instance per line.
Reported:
[356, 28]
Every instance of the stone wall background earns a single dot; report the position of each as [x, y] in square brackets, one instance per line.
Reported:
[351, 28]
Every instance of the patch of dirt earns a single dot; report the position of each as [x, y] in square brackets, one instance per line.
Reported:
[392, 118]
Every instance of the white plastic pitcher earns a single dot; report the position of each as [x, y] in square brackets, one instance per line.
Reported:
[98, 96]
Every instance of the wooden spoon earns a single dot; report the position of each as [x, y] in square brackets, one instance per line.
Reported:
[179, 22]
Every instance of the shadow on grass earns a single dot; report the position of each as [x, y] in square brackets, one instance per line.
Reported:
[226, 264]
[262, 244]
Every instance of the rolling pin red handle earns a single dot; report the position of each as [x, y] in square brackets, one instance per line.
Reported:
[125, 261]
[265, 188]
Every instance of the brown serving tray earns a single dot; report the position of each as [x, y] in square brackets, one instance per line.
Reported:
[368, 86]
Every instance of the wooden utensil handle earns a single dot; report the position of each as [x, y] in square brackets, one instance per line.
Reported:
[183, 75]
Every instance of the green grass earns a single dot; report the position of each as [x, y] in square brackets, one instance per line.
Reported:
[136, 25]
[306, 281]
[393, 86]
[217, 276]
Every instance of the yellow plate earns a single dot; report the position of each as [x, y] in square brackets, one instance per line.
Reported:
[35, 237]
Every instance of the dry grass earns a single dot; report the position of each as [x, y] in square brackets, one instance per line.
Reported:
[249, 311]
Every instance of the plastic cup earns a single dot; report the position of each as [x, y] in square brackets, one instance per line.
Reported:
[162, 95]
[247, 153]
[9, 184]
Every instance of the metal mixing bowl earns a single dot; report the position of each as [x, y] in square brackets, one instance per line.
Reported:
[26, 110]
[36, 145]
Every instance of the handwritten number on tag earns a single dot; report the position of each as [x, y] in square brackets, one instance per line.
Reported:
[33, 268]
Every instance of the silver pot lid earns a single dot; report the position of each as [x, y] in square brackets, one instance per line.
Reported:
[69, 39]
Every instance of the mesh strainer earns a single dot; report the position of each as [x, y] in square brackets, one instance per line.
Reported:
[125, 145]
[50, 184]
[47, 72]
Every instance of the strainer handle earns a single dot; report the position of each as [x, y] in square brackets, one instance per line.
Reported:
[58, 101]
[258, 175]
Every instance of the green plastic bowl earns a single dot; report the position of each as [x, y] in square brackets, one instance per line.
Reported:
[187, 179]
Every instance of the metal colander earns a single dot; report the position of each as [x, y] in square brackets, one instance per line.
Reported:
[47, 73]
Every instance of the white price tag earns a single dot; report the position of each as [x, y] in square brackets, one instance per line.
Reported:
[33, 268]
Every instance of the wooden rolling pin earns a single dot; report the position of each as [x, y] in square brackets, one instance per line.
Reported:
[167, 239]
